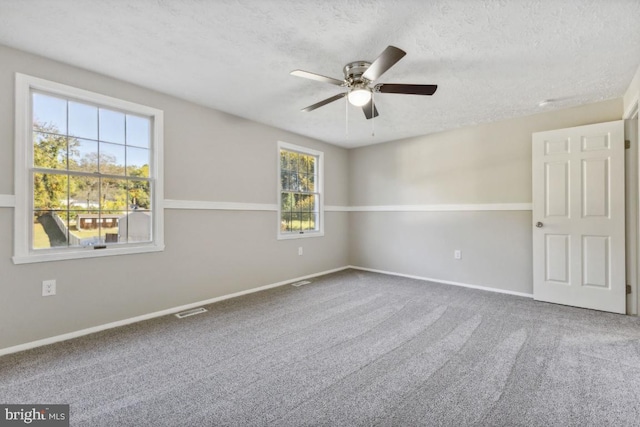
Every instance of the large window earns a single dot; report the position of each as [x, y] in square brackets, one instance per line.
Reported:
[300, 193]
[88, 175]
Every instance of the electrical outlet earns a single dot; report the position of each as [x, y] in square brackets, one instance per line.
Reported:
[48, 288]
[300, 252]
[457, 254]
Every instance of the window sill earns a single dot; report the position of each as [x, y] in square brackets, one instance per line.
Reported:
[84, 253]
[300, 236]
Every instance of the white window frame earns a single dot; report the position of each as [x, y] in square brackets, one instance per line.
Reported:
[319, 186]
[23, 215]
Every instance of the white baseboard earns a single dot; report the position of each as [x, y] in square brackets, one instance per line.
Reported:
[87, 331]
[446, 282]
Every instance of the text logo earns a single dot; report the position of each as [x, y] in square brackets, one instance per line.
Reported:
[34, 415]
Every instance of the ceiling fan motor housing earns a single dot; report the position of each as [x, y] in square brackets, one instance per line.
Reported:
[353, 72]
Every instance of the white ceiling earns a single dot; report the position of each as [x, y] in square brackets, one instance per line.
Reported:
[492, 59]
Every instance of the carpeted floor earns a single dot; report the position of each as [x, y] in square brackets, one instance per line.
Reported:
[352, 348]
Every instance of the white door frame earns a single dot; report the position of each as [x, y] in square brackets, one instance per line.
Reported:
[632, 113]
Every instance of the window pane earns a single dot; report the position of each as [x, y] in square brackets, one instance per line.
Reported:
[49, 191]
[109, 226]
[304, 221]
[300, 203]
[285, 180]
[285, 221]
[293, 161]
[84, 228]
[49, 151]
[286, 202]
[138, 131]
[295, 221]
[83, 120]
[111, 126]
[136, 226]
[296, 202]
[313, 221]
[305, 183]
[311, 183]
[49, 114]
[312, 165]
[290, 165]
[111, 159]
[113, 194]
[49, 229]
[139, 196]
[83, 155]
[304, 202]
[84, 193]
[294, 182]
[138, 162]
[310, 203]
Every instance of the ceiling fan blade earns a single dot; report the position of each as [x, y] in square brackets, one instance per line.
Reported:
[367, 110]
[317, 77]
[406, 89]
[324, 102]
[386, 60]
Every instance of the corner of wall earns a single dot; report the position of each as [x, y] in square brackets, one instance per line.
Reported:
[632, 95]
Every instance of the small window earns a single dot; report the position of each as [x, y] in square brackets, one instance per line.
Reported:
[300, 209]
[89, 174]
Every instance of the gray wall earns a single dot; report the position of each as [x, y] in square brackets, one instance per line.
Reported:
[211, 253]
[208, 253]
[484, 164]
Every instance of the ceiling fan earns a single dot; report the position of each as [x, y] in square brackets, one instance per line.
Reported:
[358, 77]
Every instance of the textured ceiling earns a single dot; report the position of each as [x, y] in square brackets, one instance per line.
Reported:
[492, 59]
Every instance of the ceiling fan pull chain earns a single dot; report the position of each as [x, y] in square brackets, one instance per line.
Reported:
[373, 121]
[346, 116]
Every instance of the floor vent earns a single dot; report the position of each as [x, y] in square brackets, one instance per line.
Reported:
[191, 312]
[303, 282]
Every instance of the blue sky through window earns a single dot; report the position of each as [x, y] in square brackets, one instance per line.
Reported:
[48, 110]
[123, 138]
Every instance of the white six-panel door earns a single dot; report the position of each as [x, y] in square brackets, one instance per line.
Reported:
[578, 217]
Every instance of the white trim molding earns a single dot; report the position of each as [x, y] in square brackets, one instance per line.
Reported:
[445, 208]
[222, 206]
[331, 208]
[7, 201]
[234, 206]
[445, 282]
[87, 331]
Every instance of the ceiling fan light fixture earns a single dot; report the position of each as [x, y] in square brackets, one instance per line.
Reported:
[359, 96]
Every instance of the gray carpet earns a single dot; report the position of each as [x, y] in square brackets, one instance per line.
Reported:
[352, 348]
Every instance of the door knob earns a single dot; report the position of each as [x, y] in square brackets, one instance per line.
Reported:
[539, 224]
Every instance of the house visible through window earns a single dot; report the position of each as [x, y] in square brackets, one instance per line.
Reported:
[300, 196]
[91, 179]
